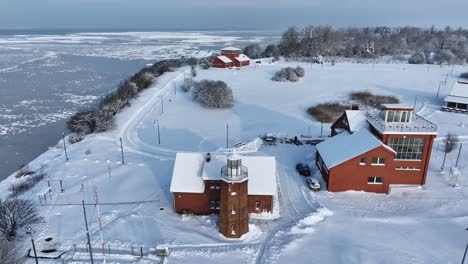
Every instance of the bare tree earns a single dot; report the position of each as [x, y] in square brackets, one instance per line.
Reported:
[8, 253]
[16, 214]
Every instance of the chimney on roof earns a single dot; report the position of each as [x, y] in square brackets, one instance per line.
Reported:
[208, 157]
[354, 107]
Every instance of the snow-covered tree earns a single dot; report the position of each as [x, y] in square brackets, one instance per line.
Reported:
[270, 51]
[417, 58]
[445, 56]
[213, 94]
[291, 43]
[288, 74]
[253, 51]
[16, 214]
[82, 122]
[193, 70]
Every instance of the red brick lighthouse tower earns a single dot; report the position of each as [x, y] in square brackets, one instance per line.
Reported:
[233, 214]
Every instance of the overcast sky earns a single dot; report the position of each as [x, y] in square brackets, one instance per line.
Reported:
[228, 14]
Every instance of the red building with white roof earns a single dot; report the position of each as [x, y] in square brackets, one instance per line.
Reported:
[230, 57]
[373, 151]
[232, 186]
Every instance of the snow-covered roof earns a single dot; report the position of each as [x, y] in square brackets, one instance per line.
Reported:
[344, 146]
[224, 59]
[242, 57]
[356, 119]
[186, 166]
[230, 48]
[397, 106]
[459, 93]
[261, 172]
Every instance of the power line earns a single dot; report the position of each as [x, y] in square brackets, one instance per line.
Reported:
[117, 203]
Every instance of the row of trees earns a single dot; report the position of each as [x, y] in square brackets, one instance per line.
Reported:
[436, 46]
[101, 118]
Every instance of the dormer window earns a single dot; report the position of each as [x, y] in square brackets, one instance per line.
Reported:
[396, 116]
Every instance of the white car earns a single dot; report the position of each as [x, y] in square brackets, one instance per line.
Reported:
[313, 184]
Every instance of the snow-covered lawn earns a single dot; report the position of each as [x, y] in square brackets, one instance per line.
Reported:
[412, 225]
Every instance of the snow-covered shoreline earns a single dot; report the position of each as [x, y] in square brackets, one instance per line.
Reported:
[362, 227]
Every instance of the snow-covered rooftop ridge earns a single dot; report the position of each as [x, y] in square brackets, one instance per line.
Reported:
[397, 106]
[224, 59]
[356, 119]
[459, 92]
[242, 57]
[230, 49]
[344, 146]
[192, 169]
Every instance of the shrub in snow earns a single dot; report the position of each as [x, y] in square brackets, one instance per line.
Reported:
[450, 142]
[288, 74]
[82, 122]
[187, 85]
[23, 171]
[74, 138]
[213, 94]
[417, 58]
[16, 214]
[327, 112]
[464, 75]
[300, 71]
[142, 79]
[26, 183]
[368, 98]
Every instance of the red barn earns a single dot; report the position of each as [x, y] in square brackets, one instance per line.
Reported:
[392, 147]
[231, 186]
[230, 56]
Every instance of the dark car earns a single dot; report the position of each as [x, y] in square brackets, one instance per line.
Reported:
[303, 169]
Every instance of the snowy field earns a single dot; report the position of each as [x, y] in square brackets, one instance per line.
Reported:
[411, 225]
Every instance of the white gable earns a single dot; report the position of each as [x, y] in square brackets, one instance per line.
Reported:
[190, 169]
[242, 57]
[344, 147]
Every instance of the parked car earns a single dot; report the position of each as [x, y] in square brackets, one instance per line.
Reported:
[303, 169]
[313, 184]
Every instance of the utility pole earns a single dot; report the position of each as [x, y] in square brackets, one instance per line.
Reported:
[438, 90]
[109, 168]
[121, 151]
[175, 90]
[227, 135]
[162, 105]
[466, 250]
[65, 147]
[321, 128]
[87, 233]
[159, 137]
[458, 156]
[33, 245]
[100, 225]
[445, 155]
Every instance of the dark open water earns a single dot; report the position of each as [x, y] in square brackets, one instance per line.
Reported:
[47, 75]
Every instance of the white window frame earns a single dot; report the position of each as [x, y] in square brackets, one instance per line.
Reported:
[233, 209]
[362, 163]
[375, 180]
[233, 229]
[217, 204]
[379, 163]
[212, 205]
[257, 205]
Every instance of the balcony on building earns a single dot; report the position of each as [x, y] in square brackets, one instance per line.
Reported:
[399, 118]
[234, 171]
